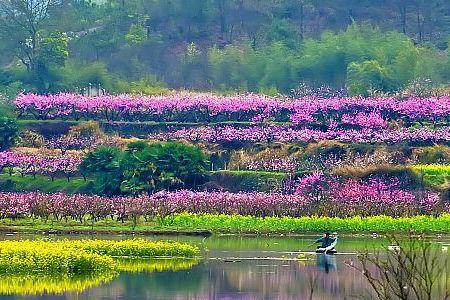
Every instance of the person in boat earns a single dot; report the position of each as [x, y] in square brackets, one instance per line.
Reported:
[325, 241]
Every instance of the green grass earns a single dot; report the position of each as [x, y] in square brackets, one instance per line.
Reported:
[433, 175]
[261, 181]
[42, 183]
[240, 180]
[241, 224]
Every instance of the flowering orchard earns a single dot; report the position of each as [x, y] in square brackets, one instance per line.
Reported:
[191, 107]
[35, 163]
[349, 199]
[272, 133]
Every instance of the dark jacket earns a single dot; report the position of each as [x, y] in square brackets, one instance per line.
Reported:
[326, 241]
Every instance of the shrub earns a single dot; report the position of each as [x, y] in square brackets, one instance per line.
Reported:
[76, 257]
[403, 175]
[237, 223]
[8, 132]
[159, 166]
[249, 181]
[438, 154]
[103, 164]
[433, 175]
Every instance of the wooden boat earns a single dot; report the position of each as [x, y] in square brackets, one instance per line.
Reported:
[328, 250]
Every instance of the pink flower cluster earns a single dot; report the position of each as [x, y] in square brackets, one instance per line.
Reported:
[354, 199]
[202, 107]
[312, 184]
[363, 120]
[65, 142]
[376, 197]
[270, 133]
[30, 163]
[174, 107]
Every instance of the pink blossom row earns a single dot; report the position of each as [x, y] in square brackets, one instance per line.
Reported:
[269, 133]
[31, 163]
[365, 198]
[353, 200]
[202, 107]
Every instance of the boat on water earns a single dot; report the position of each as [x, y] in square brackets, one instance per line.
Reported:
[330, 250]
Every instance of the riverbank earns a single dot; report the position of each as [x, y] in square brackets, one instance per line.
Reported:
[207, 224]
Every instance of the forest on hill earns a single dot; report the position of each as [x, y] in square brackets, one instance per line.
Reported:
[295, 47]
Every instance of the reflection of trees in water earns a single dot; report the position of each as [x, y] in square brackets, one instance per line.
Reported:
[250, 279]
[161, 285]
[288, 279]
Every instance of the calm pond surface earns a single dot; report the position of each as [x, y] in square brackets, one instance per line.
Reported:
[233, 268]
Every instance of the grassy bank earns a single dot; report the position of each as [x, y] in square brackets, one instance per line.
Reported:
[202, 224]
[433, 175]
[42, 183]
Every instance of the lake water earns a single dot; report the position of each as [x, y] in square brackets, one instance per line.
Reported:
[232, 268]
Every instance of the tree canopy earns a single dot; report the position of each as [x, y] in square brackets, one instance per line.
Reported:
[247, 45]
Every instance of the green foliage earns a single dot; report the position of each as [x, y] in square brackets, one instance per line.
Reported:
[53, 50]
[103, 164]
[186, 222]
[366, 78]
[245, 68]
[76, 76]
[137, 34]
[160, 166]
[257, 46]
[281, 30]
[238, 181]
[9, 130]
[149, 85]
[433, 175]
[145, 167]
[44, 184]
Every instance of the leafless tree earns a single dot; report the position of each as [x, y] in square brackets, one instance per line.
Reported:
[412, 268]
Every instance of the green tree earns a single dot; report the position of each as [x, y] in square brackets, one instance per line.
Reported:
[367, 77]
[103, 165]
[159, 166]
[8, 132]
[22, 21]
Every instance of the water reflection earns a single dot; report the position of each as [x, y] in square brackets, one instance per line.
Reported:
[155, 265]
[262, 268]
[326, 262]
[247, 279]
[38, 284]
[53, 285]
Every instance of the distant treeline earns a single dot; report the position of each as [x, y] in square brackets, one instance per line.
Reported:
[269, 46]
